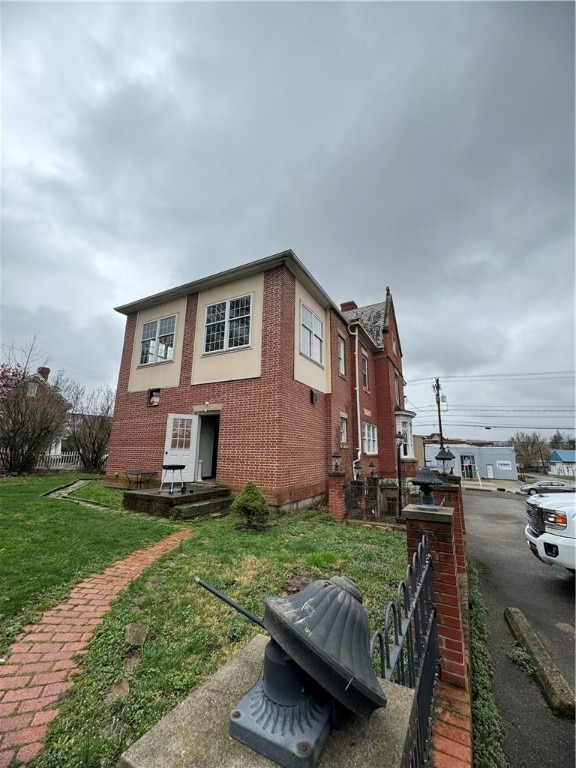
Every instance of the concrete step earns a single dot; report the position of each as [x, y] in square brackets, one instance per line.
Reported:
[199, 509]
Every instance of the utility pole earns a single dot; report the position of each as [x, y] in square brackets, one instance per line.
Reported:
[436, 387]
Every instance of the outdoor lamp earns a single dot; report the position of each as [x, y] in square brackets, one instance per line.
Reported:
[445, 461]
[426, 479]
[399, 439]
[372, 466]
[336, 456]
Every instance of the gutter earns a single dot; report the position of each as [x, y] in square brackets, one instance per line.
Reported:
[356, 462]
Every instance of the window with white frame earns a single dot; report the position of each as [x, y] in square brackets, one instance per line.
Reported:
[369, 438]
[407, 447]
[341, 356]
[365, 372]
[228, 324]
[157, 343]
[312, 335]
[397, 388]
[343, 430]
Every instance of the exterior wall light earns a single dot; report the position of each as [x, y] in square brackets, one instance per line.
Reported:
[336, 456]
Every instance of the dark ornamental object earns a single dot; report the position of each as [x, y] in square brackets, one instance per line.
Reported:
[426, 479]
[317, 672]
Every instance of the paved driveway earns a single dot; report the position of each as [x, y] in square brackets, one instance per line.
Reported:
[511, 576]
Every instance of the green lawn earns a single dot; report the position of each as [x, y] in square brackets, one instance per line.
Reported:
[46, 545]
[191, 632]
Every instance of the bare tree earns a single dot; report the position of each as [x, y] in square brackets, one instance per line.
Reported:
[532, 451]
[89, 426]
[32, 416]
[32, 410]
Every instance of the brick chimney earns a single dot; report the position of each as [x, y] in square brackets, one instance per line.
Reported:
[348, 305]
[44, 373]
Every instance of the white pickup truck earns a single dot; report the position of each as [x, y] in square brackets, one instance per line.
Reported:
[551, 528]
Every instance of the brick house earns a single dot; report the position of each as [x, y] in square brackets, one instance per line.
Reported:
[250, 374]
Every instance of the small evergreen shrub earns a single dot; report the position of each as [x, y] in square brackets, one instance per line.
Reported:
[251, 507]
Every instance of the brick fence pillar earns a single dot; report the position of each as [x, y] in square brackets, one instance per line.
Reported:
[438, 525]
[451, 495]
[336, 502]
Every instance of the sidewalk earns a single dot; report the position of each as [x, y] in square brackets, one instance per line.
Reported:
[41, 664]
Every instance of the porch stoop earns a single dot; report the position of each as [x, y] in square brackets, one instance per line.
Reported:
[199, 500]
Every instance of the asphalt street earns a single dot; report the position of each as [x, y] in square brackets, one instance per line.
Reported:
[510, 576]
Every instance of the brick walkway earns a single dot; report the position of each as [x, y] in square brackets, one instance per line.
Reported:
[41, 664]
[452, 728]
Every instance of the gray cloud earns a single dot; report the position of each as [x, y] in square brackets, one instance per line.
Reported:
[424, 146]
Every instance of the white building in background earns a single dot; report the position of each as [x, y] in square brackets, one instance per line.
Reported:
[488, 462]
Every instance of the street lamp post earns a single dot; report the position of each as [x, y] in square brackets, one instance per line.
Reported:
[399, 440]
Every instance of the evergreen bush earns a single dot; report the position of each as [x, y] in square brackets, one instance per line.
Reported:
[251, 506]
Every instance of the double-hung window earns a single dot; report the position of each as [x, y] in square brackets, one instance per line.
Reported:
[343, 430]
[369, 438]
[312, 335]
[365, 372]
[157, 343]
[341, 356]
[228, 324]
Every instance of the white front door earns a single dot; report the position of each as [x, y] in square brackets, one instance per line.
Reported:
[490, 471]
[181, 445]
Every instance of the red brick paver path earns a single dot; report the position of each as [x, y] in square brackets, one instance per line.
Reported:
[41, 664]
[452, 728]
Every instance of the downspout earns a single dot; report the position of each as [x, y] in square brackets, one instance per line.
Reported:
[356, 462]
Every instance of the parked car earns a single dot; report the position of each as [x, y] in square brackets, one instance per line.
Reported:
[551, 529]
[547, 486]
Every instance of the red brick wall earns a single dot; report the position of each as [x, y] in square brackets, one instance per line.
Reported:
[270, 432]
[450, 624]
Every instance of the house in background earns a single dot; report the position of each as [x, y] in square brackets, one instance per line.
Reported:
[255, 374]
[562, 462]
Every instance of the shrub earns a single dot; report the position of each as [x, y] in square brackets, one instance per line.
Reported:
[251, 506]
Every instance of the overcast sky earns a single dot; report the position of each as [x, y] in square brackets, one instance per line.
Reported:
[428, 147]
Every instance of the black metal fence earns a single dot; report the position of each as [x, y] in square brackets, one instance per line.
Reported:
[408, 648]
[370, 499]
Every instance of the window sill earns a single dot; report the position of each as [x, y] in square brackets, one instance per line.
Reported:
[153, 365]
[226, 351]
[311, 360]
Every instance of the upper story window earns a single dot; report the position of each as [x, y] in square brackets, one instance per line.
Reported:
[365, 372]
[228, 324]
[343, 430]
[157, 343]
[397, 389]
[369, 438]
[341, 356]
[312, 335]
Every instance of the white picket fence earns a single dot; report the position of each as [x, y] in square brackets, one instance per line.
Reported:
[60, 461]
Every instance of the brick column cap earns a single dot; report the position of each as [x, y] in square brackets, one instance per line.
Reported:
[428, 513]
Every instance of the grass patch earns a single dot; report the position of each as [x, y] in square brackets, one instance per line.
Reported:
[192, 633]
[522, 658]
[48, 545]
[487, 727]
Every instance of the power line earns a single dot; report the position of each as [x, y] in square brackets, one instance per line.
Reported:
[532, 376]
[497, 426]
